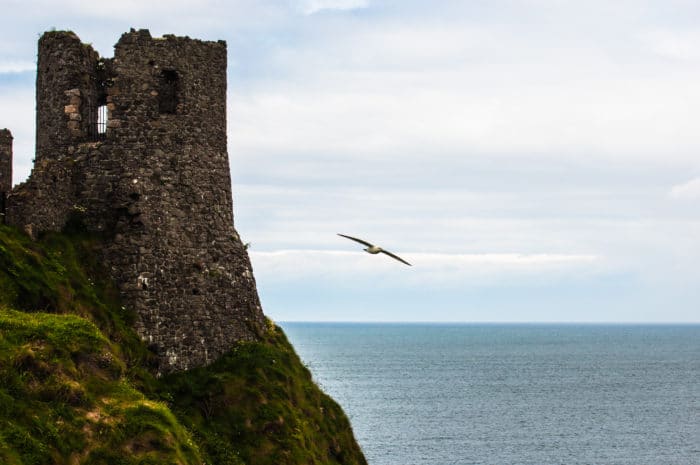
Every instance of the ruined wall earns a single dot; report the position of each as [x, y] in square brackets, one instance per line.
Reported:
[5, 169]
[155, 184]
[65, 93]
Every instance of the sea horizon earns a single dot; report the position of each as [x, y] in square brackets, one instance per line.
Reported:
[495, 323]
[497, 393]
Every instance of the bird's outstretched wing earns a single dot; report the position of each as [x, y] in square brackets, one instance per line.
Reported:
[356, 240]
[396, 257]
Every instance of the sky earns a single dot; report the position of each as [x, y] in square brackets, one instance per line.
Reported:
[535, 160]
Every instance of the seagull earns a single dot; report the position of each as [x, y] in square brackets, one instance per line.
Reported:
[373, 249]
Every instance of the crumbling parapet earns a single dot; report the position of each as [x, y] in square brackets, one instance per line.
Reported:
[5, 170]
[136, 146]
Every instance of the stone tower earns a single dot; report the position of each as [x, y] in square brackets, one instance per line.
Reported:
[5, 169]
[136, 147]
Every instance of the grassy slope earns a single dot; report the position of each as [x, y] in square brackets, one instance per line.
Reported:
[75, 386]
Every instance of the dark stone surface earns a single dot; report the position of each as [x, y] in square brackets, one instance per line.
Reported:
[156, 185]
[5, 169]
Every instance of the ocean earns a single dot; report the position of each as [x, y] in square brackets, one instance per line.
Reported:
[459, 394]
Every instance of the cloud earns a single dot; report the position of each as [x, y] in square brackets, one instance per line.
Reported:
[407, 114]
[310, 7]
[675, 44]
[451, 87]
[687, 190]
[129, 9]
[434, 269]
[17, 66]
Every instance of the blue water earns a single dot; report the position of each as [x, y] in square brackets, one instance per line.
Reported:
[512, 394]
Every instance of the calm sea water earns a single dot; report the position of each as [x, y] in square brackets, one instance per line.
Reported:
[512, 394]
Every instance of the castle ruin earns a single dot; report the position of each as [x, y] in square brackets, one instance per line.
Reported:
[135, 146]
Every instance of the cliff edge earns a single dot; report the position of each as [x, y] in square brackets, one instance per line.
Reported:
[77, 383]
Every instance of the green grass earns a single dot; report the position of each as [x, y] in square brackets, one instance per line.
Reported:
[64, 397]
[260, 398]
[75, 386]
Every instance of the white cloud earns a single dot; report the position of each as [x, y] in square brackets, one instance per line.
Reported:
[310, 7]
[401, 114]
[128, 8]
[435, 269]
[687, 190]
[453, 87]
[17, 66]
[675, 44]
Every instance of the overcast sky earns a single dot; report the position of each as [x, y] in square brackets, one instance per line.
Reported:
[536, 160]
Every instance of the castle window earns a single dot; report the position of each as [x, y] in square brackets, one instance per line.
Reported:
[167, 91]
[101, 121]
[97, 129]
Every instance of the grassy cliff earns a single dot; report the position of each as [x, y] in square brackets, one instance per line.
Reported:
[75, 384]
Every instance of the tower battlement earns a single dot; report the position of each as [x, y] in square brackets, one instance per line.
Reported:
[136, 146]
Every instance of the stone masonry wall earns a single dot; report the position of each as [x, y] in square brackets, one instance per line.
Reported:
[5, 169]
[66, 79]
[155, 184]
[66, 71]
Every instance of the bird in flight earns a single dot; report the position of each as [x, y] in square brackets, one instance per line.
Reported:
[373, 249]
